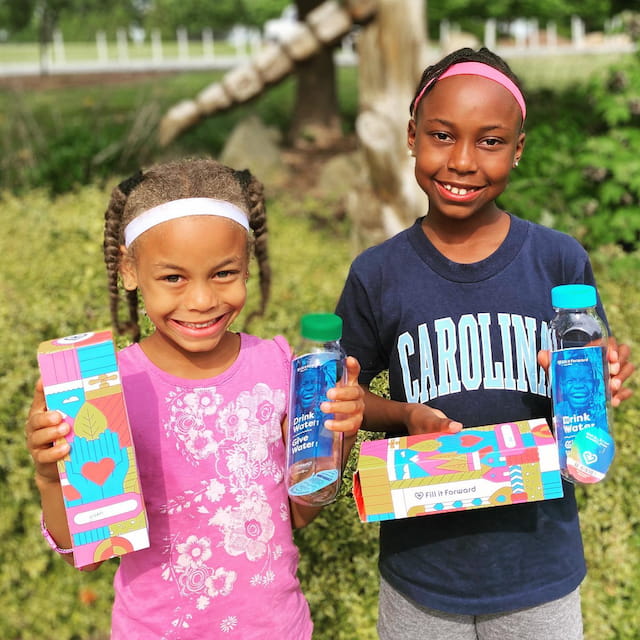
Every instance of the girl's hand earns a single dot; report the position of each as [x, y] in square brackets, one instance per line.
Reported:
[424, 419]
[44, 432]
[619, 369]
[346, 402]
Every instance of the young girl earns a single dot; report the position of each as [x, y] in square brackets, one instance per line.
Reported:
[207, 408]
[456, 308]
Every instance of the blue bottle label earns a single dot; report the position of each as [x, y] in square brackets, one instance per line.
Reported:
[314, 483]
[585, 444]
[312, 375]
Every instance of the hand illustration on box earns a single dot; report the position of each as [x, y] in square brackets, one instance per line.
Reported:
[93, 476]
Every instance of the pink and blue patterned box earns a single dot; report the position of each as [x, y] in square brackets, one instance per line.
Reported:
[478, 467]
[99, 476]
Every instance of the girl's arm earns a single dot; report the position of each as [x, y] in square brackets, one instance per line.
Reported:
[347, 405]
[45, 431]
[392, 416]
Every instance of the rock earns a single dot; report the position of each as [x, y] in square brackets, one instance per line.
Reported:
[339, 175]
[256, 147]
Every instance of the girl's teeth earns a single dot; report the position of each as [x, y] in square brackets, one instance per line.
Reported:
[198, 325]
[457, 190]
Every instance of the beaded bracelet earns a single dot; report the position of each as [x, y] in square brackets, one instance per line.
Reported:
[50, 541]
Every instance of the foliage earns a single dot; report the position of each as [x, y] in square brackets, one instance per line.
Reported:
[580, 171]
[61, 138]
[80, 19]
[220, 15]
[594, 12]
[37, 19]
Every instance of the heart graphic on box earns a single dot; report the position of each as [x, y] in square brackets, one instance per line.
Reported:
[98, 472]
[589, 457]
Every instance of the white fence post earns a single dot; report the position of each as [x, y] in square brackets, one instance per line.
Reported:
[123, 45]
[490, 34]
[445, 33]
[58, 47]
[577, 32]
[156, 45]
[552, 35]
[102, 47]
[534, 34]
[183, 43]
[207, 43]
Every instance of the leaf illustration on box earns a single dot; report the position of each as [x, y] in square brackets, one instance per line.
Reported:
[90, 422]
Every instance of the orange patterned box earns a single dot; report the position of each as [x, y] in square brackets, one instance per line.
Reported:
[478, 467]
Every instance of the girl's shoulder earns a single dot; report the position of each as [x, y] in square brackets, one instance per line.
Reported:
[261, 347]
[551, 240]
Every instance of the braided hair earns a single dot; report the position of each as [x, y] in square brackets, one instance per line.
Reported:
[190, 178]
[483, 55]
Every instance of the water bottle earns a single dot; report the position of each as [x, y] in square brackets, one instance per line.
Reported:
[314, 454]
[582, 413]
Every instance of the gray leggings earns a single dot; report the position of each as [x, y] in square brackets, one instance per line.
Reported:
[402, 619]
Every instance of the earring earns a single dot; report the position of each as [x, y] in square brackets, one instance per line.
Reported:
[515, 163]
[411, 153]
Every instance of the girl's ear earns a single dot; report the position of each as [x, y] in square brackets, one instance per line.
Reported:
[411, 136]
[519, 148]
[128, 270]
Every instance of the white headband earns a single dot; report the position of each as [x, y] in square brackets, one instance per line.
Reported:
[181, 209]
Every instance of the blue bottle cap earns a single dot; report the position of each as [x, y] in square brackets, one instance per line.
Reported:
[322, 327]
[573, 296]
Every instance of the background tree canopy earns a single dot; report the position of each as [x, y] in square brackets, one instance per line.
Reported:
[79, 19]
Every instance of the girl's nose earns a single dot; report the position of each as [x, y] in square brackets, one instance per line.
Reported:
[201, 296]
[462, 158]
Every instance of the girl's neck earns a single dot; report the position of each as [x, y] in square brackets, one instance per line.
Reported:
[470, 240]
[191, 365]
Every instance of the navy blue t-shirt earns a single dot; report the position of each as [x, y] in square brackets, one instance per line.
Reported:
[464, 339]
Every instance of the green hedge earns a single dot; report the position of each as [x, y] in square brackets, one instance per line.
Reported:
[53, 284]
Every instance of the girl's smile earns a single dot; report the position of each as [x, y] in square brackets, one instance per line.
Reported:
[456, 192]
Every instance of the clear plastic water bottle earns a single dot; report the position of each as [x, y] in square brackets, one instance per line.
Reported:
[582, 413]
[314, 454]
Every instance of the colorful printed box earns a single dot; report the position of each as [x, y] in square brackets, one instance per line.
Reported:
[99, 476]
[479, 467]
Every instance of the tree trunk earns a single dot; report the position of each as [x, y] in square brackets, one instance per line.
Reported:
[316, 116]
[392, 54]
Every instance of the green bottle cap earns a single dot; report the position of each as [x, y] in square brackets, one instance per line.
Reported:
[322, 327]
[573, 296]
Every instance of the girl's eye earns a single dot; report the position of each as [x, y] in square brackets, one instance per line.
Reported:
[225, 275]
[491, 142]
[441, 135]
[174, 277]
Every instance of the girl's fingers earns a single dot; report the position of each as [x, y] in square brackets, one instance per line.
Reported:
[46, 436]
[353, 371]
[50, 455]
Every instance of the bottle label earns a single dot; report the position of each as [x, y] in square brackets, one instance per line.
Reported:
[585, 445]
[314, 483]
[310, 444]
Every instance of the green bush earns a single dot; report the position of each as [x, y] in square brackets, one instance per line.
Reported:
[580, 171]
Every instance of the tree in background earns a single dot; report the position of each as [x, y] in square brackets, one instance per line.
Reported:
[220, 15]
[316, 115]
[593, 12]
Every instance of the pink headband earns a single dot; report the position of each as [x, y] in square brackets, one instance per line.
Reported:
[477, 69]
